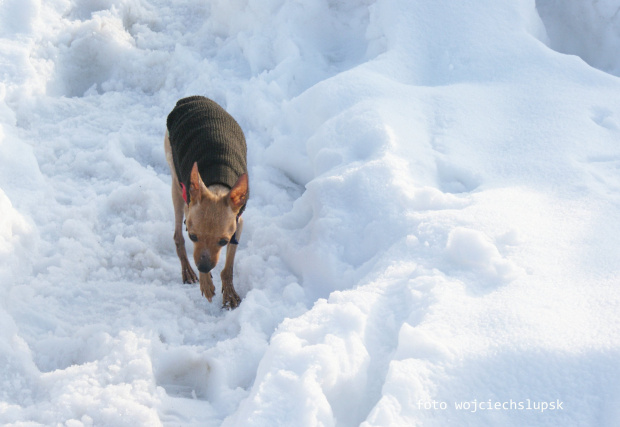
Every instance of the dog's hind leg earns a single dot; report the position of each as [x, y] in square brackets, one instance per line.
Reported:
[179, 205]
[230, 299]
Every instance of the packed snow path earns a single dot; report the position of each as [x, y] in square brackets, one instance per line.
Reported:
[432, 237]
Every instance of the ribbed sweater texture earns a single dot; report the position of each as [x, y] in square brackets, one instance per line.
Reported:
[202, 131]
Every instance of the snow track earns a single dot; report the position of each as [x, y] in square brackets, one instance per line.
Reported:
[434, 213]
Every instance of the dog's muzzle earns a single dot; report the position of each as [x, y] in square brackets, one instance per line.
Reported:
[205, 265]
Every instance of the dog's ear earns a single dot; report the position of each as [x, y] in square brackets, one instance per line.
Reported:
[239, 193]
[195, 184]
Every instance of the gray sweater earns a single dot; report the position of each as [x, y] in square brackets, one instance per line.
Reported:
[202, 131]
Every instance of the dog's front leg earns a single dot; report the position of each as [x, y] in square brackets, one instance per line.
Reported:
[177, 200]
[230, 299]
[206, 285]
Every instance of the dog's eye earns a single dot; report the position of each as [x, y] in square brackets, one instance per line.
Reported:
[223, 242]
[193, 237]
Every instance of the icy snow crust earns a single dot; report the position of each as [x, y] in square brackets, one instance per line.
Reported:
[434, 217]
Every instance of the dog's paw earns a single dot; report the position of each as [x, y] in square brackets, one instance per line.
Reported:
[230, 299]
[207, 289]
[189, 276]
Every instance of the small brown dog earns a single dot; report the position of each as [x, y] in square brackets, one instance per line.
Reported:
[206, 151]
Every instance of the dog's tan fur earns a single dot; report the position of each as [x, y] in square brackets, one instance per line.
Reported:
[211, 220]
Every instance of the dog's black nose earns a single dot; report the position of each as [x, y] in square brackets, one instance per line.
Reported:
[205, 265]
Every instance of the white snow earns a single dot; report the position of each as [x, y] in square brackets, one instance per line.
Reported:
[434, 221]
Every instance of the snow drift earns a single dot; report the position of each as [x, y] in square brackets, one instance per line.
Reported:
[432, 233]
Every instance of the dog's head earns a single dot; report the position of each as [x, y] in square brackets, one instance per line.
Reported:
[211, 218]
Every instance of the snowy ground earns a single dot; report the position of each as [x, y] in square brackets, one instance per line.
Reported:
[432, 237]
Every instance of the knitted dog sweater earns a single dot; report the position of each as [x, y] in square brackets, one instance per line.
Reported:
[201, 131]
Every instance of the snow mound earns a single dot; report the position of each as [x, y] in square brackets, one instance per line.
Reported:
[588, 29]
[431, 238]
[472, 249]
